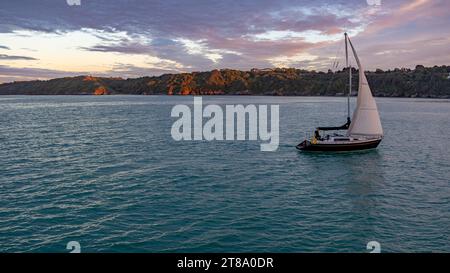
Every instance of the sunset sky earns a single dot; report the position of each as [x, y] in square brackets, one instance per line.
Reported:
[50, 38]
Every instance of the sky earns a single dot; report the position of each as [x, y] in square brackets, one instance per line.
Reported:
[44, 39]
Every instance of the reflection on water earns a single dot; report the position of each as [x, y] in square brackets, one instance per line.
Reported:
[105, 171]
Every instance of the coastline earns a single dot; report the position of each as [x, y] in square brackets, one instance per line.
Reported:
[217, 95]
[421, 82]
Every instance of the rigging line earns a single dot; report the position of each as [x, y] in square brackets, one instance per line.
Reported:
[336, 61]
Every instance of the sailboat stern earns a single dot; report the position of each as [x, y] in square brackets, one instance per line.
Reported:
[340, 146]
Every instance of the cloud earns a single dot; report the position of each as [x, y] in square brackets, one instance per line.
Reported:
[35, 73]
[428, 52]
[9, 73]
[198, 34]
[192, 35]
[131, 71]
[127, 48]
[284, 61]
[13, 57]
[405, 12]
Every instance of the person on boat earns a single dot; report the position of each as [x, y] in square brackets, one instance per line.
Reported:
[317, 134]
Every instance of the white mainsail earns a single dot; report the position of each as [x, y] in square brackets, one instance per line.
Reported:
[366, 120]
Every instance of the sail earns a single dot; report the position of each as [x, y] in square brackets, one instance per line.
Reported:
[366, 120]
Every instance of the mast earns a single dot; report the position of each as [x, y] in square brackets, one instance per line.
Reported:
[349, 79]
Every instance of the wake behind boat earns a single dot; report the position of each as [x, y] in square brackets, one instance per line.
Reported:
[364, 130]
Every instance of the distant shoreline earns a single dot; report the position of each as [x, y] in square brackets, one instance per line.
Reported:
[230, 95]
[421, 82]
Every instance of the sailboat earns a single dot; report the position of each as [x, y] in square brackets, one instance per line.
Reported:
[364, 130]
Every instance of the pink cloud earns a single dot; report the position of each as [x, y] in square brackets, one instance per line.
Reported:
[415, 11]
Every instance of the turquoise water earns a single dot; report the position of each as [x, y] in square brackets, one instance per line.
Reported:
[104, 171]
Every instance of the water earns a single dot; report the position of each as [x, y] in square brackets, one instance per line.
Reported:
[104, 171]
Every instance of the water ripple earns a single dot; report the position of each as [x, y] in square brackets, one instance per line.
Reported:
[105, 171]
